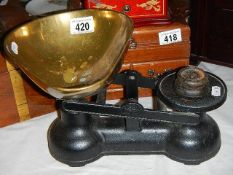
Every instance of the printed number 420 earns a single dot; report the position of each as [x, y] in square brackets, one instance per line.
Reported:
[82, 26]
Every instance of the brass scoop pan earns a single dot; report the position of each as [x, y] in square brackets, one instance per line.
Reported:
[71, 54]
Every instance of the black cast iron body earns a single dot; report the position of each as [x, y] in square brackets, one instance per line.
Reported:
[86, 131]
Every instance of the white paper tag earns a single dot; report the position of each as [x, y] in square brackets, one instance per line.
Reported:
[170, 36]
[82, 25]
[14, 47]
[216, 91]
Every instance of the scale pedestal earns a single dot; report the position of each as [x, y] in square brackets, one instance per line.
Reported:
[85, 131]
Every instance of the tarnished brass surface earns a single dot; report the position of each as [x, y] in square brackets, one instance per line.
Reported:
[65, 64]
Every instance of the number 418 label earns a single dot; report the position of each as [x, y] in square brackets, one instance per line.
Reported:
[170, 36]
[82, 25]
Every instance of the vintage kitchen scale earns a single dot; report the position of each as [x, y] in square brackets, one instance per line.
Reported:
[77, 54]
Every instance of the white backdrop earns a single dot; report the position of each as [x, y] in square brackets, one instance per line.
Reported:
[24, 151]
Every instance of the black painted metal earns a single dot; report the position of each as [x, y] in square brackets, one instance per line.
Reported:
[144, 82]
[86, 131]
[78, 145]
[131, 95]
[131, 110]
[167, 94]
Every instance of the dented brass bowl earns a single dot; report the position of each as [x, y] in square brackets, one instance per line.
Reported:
[66, 61]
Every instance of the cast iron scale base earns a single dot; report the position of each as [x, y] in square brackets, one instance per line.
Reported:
[85, 131]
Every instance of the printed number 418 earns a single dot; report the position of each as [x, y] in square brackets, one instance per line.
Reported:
[170, 38]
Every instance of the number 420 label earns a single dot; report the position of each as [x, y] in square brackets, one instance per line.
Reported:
[82, 25]
[170, 36]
